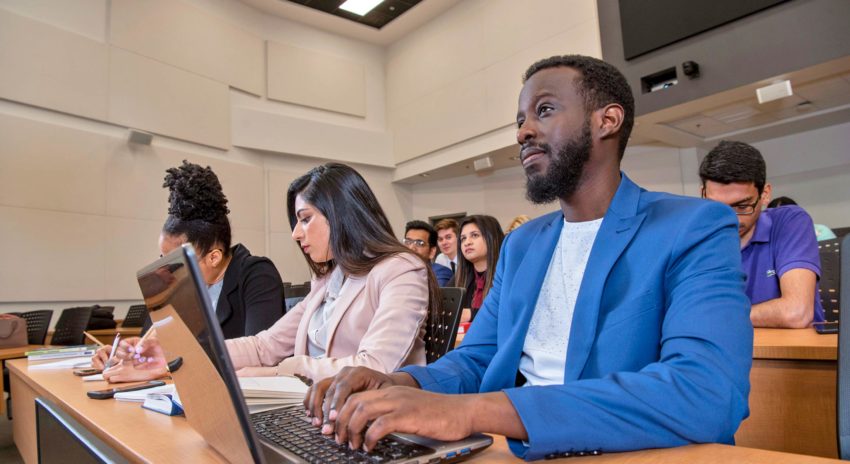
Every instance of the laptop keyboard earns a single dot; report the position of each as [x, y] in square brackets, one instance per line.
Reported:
[290, 429]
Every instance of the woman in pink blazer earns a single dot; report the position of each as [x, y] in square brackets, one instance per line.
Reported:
[370, 296]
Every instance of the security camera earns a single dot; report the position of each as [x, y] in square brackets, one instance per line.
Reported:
[691, 69]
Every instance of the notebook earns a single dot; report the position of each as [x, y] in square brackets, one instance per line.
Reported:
[213, 400]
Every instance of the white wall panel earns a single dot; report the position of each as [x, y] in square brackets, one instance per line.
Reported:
[312, 78]
[65, 171]
[285, 134]
[84, 17]
[52, 68]
[190, 38]
[130, 245]
[49, 255]
[149, 95]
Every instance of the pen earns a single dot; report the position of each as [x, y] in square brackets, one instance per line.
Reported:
[142, 340]
[92, 338]
[112, 353]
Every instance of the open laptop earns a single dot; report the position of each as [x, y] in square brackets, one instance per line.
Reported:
[186, 326]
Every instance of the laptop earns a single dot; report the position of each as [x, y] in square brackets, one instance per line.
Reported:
[186, 326]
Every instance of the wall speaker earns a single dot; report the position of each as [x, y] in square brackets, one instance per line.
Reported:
[140, 138]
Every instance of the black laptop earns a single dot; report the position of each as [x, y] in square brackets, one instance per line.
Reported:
[187, 327]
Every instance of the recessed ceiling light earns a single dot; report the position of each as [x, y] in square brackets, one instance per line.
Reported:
[425, 174]
[514, 158]
[360, 7]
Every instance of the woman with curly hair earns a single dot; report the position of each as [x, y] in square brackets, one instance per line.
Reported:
[246, 291]
[370, 296]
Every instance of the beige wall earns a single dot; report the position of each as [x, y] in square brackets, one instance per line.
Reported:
[457, 78]
[80, 208]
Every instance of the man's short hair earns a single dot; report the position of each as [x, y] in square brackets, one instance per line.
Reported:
[422, 225]
[733, 161]
[447, 223]
[600, 84]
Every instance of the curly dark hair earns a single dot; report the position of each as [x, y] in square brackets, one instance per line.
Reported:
[600, 84]
[197, 208]
[732, 161]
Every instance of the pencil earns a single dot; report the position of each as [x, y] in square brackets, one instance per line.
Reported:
[92, 338]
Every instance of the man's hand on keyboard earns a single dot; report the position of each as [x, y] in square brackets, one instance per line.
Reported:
[368, 416]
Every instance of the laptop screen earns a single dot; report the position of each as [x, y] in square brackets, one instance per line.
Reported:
[186, 326]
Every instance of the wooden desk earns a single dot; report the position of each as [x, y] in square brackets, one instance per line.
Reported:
[146, 436]
[11, 353]
[792, 396]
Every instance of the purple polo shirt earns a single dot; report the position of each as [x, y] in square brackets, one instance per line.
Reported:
[784, 239]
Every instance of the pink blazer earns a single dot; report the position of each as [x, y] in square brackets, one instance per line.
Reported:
[379, 322]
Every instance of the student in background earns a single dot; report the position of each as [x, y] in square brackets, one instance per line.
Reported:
[369, 298]
[618, 322]
[421, 238]
[246, 291]
[779, 250]
[518, 221]
[447, 231]
[480, 241]
[822, 231]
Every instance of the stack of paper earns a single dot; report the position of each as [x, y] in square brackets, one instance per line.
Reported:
[61, 352]
[69, 363]
[278, 390]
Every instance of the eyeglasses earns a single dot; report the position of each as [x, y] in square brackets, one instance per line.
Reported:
[417, 243]
[745, 210]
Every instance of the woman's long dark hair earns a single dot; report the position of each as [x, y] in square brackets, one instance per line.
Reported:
[492, 233]
[360, 233]
[197, 208]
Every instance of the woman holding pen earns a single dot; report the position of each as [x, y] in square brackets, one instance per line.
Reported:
[370, 295]
[246, 291]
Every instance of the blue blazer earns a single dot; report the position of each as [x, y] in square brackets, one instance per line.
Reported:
[661, 341]
[442, 273]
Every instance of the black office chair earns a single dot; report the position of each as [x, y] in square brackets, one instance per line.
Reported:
[293, 294]
[441, 332]
[840, 232]
[830, 277]
[842, 406]
[37, 324]
[71, 325]
[135, 317]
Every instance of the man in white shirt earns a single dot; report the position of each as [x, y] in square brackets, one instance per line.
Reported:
[618, 322]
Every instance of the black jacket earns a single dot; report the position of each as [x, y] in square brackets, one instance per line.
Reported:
[251, 297]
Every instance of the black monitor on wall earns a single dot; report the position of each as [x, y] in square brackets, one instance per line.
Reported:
[648, 25]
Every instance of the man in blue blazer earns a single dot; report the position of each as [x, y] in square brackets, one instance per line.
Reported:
[617, 323]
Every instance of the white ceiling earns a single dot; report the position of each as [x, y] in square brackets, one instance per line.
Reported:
[398, 28]
[821, 95]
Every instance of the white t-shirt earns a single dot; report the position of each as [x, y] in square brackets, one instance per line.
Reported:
[544, 353]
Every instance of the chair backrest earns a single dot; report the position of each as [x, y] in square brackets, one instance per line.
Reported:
[843, 401]
[37, 324]
[840, 232]
[293, 294]
[135, 316]
[830, 277]
[441, 332]
[71, 325]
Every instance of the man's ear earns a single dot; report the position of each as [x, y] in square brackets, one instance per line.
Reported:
[766, 195]
[433, 253]
[610, 120]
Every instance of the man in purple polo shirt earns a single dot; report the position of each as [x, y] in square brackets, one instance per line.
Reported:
[779, 249]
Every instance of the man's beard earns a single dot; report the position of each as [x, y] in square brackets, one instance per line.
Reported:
[563, 174]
